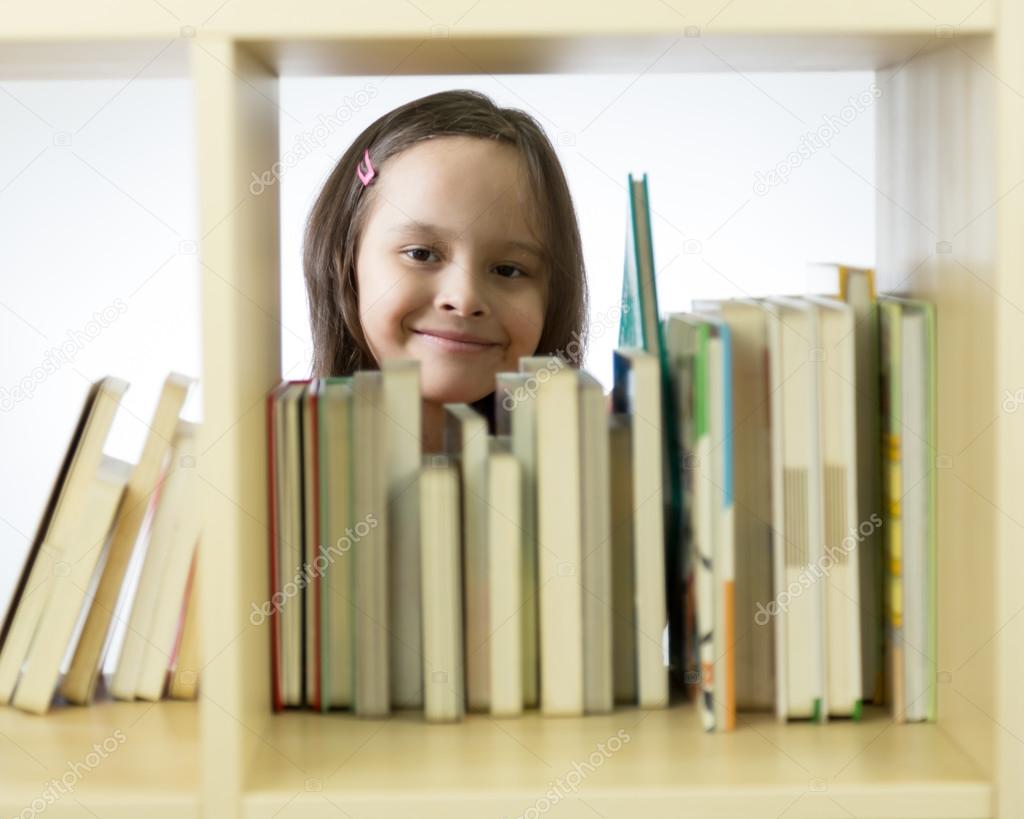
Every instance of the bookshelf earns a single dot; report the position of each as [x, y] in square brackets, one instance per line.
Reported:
[950, 153]
[145, 759]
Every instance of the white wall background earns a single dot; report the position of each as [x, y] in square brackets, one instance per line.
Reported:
[98, 203]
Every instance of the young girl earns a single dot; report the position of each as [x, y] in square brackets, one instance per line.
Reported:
[446, 233]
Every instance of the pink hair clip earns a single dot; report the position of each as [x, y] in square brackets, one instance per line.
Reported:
[365, 178]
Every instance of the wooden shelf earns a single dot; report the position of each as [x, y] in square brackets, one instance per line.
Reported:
[50, 20]
[668, 767]
[660, 50]
[145, 760]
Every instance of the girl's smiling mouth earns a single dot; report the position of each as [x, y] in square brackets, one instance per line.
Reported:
[455, 342]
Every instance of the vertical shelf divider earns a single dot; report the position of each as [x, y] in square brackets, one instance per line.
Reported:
[1008, 368]
[236, 99]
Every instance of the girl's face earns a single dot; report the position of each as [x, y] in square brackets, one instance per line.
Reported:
[448, 269]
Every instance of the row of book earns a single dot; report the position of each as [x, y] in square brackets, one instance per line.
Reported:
[106, 523]
[800, 442]
[807, 536]
[497, 575]
[527, 568]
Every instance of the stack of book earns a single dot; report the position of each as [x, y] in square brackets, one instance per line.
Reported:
[749, 522]
[103, 515]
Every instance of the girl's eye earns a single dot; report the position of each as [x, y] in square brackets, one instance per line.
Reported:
[512, 267]
[426, 250]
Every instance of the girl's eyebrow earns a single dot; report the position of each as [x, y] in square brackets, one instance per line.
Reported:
[412, 226]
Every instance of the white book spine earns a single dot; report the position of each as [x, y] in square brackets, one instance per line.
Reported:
[649, 538]
[558, 546]
[504, 536]
[596, 545]
[441, 591]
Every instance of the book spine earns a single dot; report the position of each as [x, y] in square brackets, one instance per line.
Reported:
[275, 618]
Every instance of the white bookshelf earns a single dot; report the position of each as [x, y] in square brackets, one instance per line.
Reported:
[950, 151]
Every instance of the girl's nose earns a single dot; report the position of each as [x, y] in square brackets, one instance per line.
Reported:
[460, 293]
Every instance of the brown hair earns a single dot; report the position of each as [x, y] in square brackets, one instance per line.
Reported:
[338, 217]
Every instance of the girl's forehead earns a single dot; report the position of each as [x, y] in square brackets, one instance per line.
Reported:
[448, 187]
[458, 167]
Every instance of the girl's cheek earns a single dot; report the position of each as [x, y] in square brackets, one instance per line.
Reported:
[531, 325]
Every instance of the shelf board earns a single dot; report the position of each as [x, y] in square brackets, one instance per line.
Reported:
[101, 59]
[613, 52]
[616, 52]
[113, 38]
[146, 759]
[309, 765]
[119, 19]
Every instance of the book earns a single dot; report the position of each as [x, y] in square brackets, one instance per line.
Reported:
[168, 555]
[285, 485]
[640, 327]
[595, 544]
[751, 459]
[710, 339]
[857, 288]
[311, 544]
[183, 677]
[372, 692]
[80, 681]
[639, 324]
[465, 439]
[558, 535]
[840, 562]
[890, 371]
[504, 569]
[723, 523]
[688, 343]
[403, 435]
[50, 643]
[920, 601]
[624, 637]
[799, 606]
[637, 392]
[176, 529]
[337, 522]
[515, 416]
[908, 412]
[441, 589]
[57, 529]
